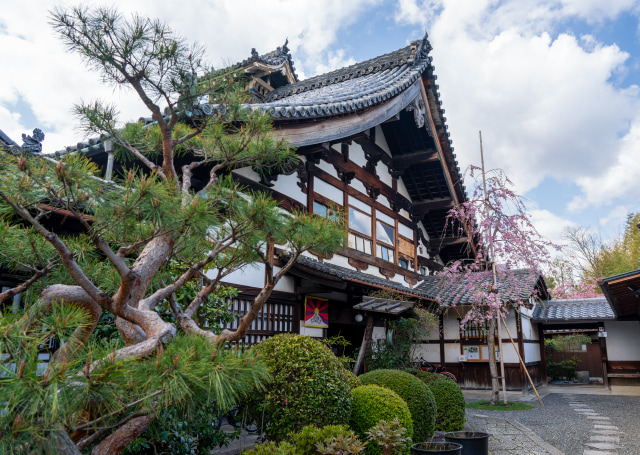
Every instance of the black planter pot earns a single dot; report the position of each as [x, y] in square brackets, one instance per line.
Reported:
[436, 448]
[473, 442]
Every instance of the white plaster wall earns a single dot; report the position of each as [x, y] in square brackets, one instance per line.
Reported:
[382, 199]
[509, 353]
[329, 191]
[251, 275]
[403, 189]
[451, 326]
[433, 334]
[288, 185]
[379, 333]
[342, 261]
[356, 154]
[511, 323]
[383, 173]
[381, 141]
[451, 352]
[424, 231]
[428, 351]
[529, 329]
[531, 352]
[286, 283]
[248, 173]
[623, 340]
[405, 231]
[358, 185]
[314, 332]
[403, 213]
[328, 168]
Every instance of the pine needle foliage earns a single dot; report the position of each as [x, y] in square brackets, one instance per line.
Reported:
[150, 248]
[94, 390]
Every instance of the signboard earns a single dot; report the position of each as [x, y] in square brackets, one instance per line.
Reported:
[316, 312]
[472, 352]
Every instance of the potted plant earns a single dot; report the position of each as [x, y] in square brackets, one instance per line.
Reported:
[473, 442]
[433, 448]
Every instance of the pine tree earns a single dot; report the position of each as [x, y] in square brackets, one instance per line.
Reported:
[144, 238]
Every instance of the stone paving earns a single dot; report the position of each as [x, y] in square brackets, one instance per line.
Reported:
[509, 437]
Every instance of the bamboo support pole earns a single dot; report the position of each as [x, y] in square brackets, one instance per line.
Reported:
[520, 358]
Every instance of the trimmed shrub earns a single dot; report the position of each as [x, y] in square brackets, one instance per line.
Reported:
[425, 376]
[450, 402]
[353, 380]
[308, 386]
[414, 392]
[273, 448]
[371, 404]
[307, 439]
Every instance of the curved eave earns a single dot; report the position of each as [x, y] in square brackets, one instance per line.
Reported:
[335, 128]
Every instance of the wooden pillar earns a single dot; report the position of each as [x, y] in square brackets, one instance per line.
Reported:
[523, 379]
[441, 337]
[366, 343]
[543, 356]
[604, 359]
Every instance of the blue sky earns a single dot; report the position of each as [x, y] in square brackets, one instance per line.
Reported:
[552, 84]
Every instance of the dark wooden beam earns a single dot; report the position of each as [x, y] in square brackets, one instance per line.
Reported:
[423, 207]
[423, 156]
[439, 244]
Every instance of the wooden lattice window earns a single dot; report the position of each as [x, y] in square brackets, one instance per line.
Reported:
[477, 331]
[274, 318]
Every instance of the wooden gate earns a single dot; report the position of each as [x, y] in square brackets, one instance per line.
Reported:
[590, 360]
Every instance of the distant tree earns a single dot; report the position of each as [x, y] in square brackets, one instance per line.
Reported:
[145, 237]
[508, 254]
[565, 283]
[594, 258]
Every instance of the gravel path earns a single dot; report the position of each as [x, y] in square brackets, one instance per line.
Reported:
[583, 424]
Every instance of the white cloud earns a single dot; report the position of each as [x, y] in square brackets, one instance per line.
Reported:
[49, 80]
[550, 225]
[615, 219]
[620, 178]
[546, 102]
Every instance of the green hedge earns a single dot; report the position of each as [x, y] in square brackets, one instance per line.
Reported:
[308, 386]
[372, 403]
[414, 392]
[449, 400]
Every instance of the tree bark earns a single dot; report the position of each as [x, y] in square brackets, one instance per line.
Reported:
[123, 436]
[495, 387]
[366, 343]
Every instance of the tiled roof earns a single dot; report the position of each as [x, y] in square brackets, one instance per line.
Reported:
[574, 310]
[459, 292]
[353, 88]
[6, 141]
[348, 274]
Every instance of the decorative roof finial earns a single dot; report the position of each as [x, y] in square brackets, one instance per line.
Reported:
[33, 143]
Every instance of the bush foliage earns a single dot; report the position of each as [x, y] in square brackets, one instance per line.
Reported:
[414, 392]
[450, 404]
[371, 404]
[312, 440]
[308, 386]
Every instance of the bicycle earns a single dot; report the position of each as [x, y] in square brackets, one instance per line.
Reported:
[422, 364]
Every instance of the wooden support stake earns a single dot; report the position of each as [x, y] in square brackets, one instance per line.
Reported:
[520, 358]
[366, 342]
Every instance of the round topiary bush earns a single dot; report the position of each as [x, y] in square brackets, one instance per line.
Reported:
[414, 392]
[353, 380]
[450, 403]
[371, 404]
[425, 376]
[308, 386]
